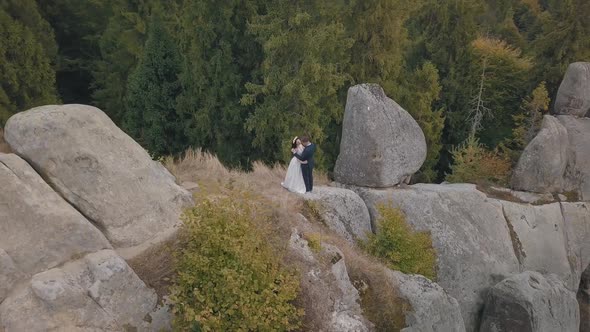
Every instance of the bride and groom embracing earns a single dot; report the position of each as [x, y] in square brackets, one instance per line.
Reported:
[299, 176]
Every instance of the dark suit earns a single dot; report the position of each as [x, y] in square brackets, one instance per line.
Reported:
[307, 169]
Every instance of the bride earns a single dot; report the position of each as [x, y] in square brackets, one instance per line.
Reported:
[294, 178]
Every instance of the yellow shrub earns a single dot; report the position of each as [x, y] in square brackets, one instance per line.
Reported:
[473, 163]
[400, 247]
[228, 276]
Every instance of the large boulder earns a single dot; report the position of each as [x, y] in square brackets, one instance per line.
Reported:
[469, 233]
[573, 96]
[577, 175]
[432, 309]
[38, 228]
[342, 210]
[530, 302]
[382, 145]
[99, 169]
[99, 292]
[542, 165]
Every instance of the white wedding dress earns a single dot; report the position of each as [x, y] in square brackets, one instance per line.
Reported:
[294, 178]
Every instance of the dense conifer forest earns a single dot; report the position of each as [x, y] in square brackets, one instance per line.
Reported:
[241, 78]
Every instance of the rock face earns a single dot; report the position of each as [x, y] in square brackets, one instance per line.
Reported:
[578, 168]
[573, 96]
[38, 228]
[530, 302]
[343, 211]
[432, 308]
[542, 164]
[539, 240]
[99, 292]
[99, 170]
[327, 288]
[382, 145]
[480, 241]
[469, 234]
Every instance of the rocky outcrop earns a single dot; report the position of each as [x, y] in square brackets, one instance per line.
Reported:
[577, 175]
[469, 233]
[530, 302]
[573, 96]
[98, 169]
[541, 167]
[432, 309]
[539, 239]
[382, 145]
[479, 240]
[99, 292]
[38, 229]
[342, 210]
[576, 220]
[327, 288]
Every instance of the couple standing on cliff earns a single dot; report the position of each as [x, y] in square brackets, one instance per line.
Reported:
[299, 176]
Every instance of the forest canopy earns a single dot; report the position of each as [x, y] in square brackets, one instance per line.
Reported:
[241, 78]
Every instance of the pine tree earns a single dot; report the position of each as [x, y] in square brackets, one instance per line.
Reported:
[442, 29]
[121, 46]
[503, 82]
[153, 87]
[380, 41]
[418, 94]
[306, 53]
[78, 25]
[219, 57]
[28, 78]
[561, 39]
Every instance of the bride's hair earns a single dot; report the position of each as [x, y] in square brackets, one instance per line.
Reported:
[294, 142]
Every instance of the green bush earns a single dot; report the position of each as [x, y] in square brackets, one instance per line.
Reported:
[400, 247]
[228, 276]
[473, 163]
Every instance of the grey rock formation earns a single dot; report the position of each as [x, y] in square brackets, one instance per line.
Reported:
[38, 228]
[469, 233]
[432, 309]
[577, 175]
[479, 240]
[573, 96]
[343, 211]
[98, 169]
[382, 145]
[576, 220]
[99, 292]
[10, 275]
[539, 239]
[530, 302]
[542, 165]
[327, 288]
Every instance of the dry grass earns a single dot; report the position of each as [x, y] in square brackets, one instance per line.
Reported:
[380, 302]
[4, 148]
[214, 178]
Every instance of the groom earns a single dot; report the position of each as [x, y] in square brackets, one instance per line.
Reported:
[306, 168]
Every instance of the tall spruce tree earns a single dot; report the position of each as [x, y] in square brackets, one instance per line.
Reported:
[445, 29]
[219, 57]
[153, 87]
[418, 93]
[121, 46]
[306, 53]
[28, 78]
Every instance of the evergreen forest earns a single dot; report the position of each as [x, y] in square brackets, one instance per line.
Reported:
[241, 78]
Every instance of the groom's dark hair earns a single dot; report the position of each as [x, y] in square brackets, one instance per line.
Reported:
[304, 139]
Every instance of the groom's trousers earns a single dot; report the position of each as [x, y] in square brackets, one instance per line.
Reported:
[307, 176]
